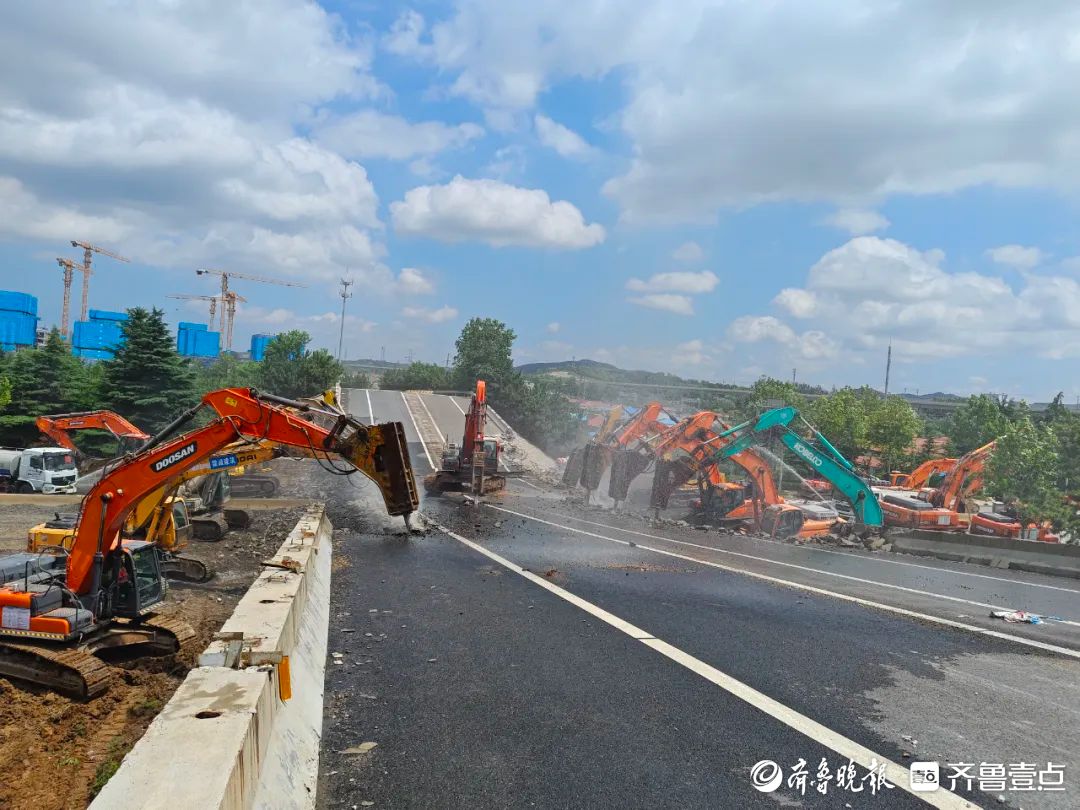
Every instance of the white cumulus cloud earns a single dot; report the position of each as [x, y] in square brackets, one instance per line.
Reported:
[563, 140]
[679, 304]
[553, 327]
[857, 221]
[870, 292]
[677, 281]
[688, 252]
[493, 212]
[1018, 256]
[413, 282]
[443, 313]
[373, 134]
[733, 104]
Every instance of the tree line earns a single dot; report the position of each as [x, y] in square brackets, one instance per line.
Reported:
[1034, 467]
[534, 405]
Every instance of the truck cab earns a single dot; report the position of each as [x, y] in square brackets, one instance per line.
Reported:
[48, 470]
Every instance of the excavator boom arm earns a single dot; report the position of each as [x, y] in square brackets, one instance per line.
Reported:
[60, 426]
[830, 464]
[378, 451]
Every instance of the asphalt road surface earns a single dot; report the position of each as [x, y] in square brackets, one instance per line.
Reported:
[532, 652]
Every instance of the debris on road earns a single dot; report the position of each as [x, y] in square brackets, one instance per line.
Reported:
[1022, 617]
[362, 748]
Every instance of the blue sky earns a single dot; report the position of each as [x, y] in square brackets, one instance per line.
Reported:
[717, 189]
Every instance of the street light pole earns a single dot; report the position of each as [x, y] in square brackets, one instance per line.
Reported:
[345, 296]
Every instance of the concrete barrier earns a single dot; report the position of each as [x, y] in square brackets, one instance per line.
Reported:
[998, 552]
[227, 739]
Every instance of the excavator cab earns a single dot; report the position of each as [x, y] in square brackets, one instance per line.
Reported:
[782, 521]
[141, 582]
[491, 456]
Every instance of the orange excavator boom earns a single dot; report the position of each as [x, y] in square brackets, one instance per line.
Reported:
[964, 479]
[59, 427]
[378, 451]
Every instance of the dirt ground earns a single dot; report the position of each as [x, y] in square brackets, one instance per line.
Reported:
[55, 753]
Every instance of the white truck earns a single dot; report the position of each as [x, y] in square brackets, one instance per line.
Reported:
[50, 470]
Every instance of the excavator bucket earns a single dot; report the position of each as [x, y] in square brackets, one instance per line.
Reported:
[594, 464]
[384, 458]
[626, 465]
[574, 465]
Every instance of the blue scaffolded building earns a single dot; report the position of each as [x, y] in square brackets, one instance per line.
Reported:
[18, 320]
[99, 337]
[195, 340]
[259, 344]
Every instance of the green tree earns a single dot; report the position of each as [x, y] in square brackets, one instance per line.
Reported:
[535, 408]
[982, 419]
[288, 369]
[356, 379]
[416, 377]
[44, 380]
[227, 371]
[843, 419]
[483, 353]
[767, 390]
[5, 391]
[146, 381]
[1024, 471]
[892, 426]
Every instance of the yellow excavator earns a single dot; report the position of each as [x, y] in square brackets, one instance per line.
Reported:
[165, 518]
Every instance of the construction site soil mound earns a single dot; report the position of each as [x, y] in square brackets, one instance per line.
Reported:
[56, 753]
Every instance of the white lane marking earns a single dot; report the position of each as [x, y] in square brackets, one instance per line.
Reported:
[417, 429]
[871, 559]
[1040, 645]
[897, 774]
[530, 483]
[370, 410]
[809, 550]
[457, 405]
[806, 568]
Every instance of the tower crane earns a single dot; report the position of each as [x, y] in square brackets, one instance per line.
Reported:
[230, 304]
[228, 308]
[88, 254]
[69, 272]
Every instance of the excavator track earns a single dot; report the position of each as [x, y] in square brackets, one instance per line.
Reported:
[186, 569]
[209, 528]
[176, 634]
[72, 672]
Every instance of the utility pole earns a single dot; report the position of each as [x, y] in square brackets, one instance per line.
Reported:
[888, 367]
[383, 354]
[793, 376]
[345, 296]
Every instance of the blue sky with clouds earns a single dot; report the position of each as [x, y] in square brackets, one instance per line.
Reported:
[718, 189]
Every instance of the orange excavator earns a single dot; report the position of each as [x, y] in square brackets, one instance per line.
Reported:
[59, 428]
[944, 507]
[627, 450]
[927, 474]
[575, 461]
[60, 610]
[474, 465]
[690, 449]
[964, 481]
